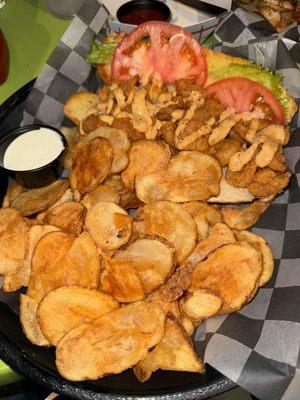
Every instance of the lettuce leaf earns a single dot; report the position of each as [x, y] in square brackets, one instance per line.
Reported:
[101, 53]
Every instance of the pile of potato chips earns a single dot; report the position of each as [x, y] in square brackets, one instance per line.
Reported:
[123, 260]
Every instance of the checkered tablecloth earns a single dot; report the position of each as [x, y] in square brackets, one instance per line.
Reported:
[66, 70]
[257, 347]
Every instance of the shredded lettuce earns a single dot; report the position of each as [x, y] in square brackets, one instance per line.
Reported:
[253, 71]
[101, 53]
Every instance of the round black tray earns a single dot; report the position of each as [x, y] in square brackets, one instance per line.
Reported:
[37, 363]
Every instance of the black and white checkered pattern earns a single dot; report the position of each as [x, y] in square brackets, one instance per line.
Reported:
[66, 70]
[257, 347]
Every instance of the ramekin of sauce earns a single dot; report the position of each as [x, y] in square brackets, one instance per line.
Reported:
[32, 155]
[136, 12]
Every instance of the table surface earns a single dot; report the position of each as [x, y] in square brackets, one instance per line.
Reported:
[32, 33]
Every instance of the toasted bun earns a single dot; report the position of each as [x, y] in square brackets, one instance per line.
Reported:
[230, 194]
[104, 71]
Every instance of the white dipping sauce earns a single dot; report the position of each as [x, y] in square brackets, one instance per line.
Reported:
[33, 149]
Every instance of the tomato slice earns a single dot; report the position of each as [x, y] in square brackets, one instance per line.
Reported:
[171, 52]
[243, 94]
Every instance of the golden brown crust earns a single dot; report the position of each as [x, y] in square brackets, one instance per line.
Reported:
[34, 200]
[92, 122]
[244, 218]
[109, 225]
[78, 304]
[267, 182]
[91, 165]
[232, 272]
[242, 178]
[175, 352]
[68, 216]
[120, 279]
[110, 344]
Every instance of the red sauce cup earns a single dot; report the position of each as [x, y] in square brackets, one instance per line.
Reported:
[138, 11]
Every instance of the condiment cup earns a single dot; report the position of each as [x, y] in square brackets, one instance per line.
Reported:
[37, 177]
[144, 10]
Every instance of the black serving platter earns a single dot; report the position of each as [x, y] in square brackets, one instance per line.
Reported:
[38, 363]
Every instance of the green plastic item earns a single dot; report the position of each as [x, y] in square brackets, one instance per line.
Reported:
[31, 33]
[7, 376]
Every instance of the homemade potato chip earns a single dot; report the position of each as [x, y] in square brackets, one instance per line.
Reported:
[13, 240]
[175, 286]
[205, 216]
[81, 265]
[49, 251]
[72, 137]
[66, 196]
[78, 105]
[170, 221]
[13, 191]
[138, 230]
[120, 279]
[175, 352]
[244, 218]
[46, 260]
[110, 344]
[92, 122]
[267, 256]
[35, 200]
[200, 304]
[219, 235]
[232, 272]
[192, 207]
[60, 259]
[91, 165]
[153, 260]
[109, 225]
[172, 310]
[189, 176]
[30, 326]
[128, 198]
[101, 193]
[20, 277]
[188, 324]
[145, 157]
[119, 142]
[205, 219]
[68, 216]
[78, 305]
